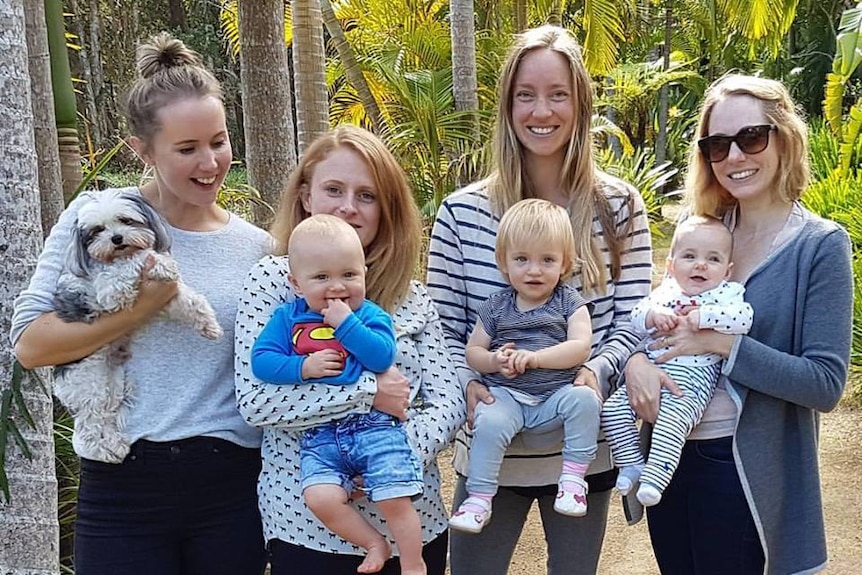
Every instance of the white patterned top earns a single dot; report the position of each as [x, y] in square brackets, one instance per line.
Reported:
[284, 411]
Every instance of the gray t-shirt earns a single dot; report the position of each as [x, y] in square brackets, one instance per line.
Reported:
[184, 384]
[535, 329]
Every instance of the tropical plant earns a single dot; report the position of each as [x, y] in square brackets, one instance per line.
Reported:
[640, 170]
[67, 468]
[848, 56]
[634, 96]
[824, 149]
[65, 107]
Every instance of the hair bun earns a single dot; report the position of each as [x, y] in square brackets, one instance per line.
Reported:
[163, 52]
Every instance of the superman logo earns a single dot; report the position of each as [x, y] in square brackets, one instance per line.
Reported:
[310, 337]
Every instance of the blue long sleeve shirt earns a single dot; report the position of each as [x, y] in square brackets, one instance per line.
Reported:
[366, 339]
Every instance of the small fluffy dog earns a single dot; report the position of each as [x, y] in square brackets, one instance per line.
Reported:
[116, 233]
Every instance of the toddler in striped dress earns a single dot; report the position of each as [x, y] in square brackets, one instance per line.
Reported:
[696, 291]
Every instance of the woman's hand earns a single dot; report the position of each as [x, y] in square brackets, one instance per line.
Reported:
[587, 376]
[153, 294]
[643, 384]
[393, 393]
[476, 393]
[688, 339]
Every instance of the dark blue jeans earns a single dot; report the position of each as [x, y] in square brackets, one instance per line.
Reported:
[703, 525]
[181, 508]
[288, 559]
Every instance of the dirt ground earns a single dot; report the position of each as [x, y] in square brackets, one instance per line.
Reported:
[627, 550]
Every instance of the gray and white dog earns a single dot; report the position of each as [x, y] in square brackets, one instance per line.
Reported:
[115, 235]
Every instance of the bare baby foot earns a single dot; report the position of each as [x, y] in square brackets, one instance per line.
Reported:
[377, 555]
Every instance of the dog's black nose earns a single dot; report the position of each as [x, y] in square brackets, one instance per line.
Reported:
[117, 239]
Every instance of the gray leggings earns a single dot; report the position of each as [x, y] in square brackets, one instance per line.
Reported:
[574, 543]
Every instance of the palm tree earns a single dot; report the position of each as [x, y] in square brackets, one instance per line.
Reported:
[351, 67]
[309, 66]
[28, 511]
[44, 121]
[267, 119]
[65, 107]
[463, 55]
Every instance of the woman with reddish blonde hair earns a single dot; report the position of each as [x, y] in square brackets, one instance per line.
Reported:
[350, 173]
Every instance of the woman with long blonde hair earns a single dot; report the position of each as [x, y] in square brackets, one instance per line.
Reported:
[542, 149]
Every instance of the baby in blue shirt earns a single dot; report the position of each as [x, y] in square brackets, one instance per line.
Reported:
[330, 335]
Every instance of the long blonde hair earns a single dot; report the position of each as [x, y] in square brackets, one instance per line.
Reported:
[705, 195]
[580, 179]
[392, 255]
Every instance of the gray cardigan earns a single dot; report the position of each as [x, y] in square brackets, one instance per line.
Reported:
[791, 366]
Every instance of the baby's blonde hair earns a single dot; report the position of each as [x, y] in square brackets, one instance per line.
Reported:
[695, 222]
[532, 222]
[325, 229]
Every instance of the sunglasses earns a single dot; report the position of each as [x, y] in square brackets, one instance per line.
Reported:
[750, 140]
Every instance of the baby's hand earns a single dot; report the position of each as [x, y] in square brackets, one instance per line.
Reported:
[692, 318]
[662, 319]
[501, 357]
[323, 363]
[523, 359]
[335, 312]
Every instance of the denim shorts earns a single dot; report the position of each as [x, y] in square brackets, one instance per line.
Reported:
[373, 446]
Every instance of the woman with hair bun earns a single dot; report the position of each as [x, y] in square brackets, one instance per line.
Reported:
[183, 501]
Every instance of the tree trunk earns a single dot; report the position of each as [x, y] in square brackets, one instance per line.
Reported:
[309, 67]
[555, 16]
[464, 81]
[28, 522]
[95, 133]
[463, 55]
[520, 9]
[104, 98]
[64, 99]
[44, 122]
[267, 123]
[351, 67]
[177, 15]
[661, 137]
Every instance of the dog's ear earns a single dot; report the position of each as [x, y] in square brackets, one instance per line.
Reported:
[156, 222]
[77, 256]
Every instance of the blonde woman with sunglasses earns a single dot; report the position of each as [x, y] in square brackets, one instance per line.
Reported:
[746, 496]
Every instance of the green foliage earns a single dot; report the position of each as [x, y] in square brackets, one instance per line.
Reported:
[639, 170]
[848, 57]
[66, 467]
[823, 150]
[12, 403]
[838, 196]
[632, 92]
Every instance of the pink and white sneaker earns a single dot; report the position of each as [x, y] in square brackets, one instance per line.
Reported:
[568, 502]
[472, 515]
